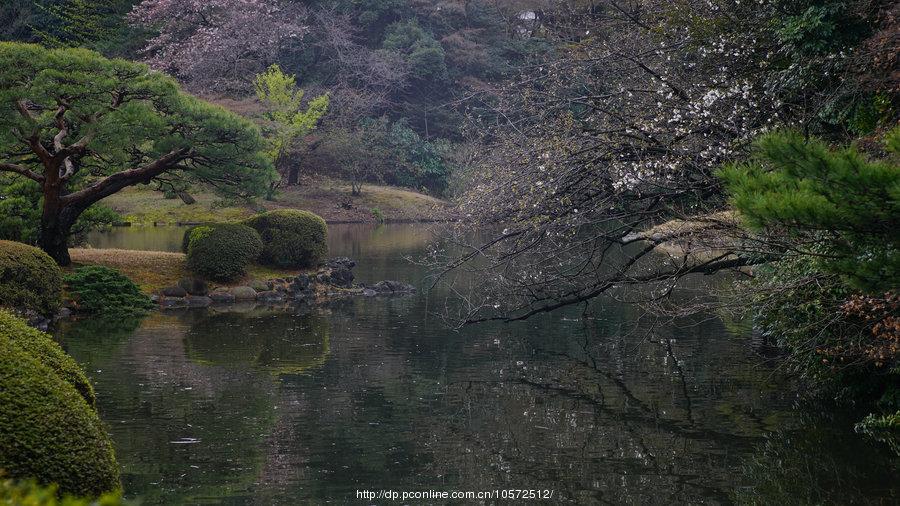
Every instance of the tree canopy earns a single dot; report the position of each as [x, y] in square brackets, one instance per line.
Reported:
[84, 127]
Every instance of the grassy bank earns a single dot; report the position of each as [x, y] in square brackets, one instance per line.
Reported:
[329, 198]
[154, 270]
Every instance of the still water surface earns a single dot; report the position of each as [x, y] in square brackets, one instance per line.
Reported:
[246, 405]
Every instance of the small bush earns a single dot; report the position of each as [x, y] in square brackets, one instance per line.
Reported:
[31, 494]
[99, 289]
[45, 349]
[29, 279]
[222, 252]
[291, 238]
[47, 431]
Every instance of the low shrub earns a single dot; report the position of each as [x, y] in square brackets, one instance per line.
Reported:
[48, 432]
[99, 289]
[32, 494]
[291, 238]
[29, 279]
[222, 252]
[45, 349]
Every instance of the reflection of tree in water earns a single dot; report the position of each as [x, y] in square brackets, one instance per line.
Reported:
[606, 418]
[814, 463]
[279, 342]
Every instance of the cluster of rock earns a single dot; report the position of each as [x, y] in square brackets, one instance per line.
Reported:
[333, 279]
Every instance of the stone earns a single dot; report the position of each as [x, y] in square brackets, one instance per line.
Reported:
[368, 292]
[392, 287]
[260, 285]
[174, 291]
[340, 263]
[270, 296]
[222, 296]
[243, 293]
[199, 301]
[173, 302]
[341, 277]
[323, 277]
[194, 286]
[63, 313]
[301, 282]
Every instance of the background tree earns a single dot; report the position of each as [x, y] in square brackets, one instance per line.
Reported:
[84, 127]
[286, 119]
[218, 45]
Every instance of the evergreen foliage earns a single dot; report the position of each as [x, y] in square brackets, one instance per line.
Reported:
[99, 289]
[47, 431]
[96, 126]
[291, 238]
[29, 279]
[222, 252]
[844, 204]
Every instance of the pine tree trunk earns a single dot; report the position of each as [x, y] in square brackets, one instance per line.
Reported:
[54, 239]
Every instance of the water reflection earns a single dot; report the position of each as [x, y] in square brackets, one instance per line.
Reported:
[307, 406]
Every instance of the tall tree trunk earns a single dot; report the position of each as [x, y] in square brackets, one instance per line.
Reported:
[54, 237]
[56, 227]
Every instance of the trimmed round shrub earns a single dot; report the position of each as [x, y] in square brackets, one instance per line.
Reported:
[29, 279]
[222, 252]
[99, 289]
[44, 348]
[47, 431]
[291, 238]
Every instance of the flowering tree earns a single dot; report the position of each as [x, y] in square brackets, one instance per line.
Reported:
[622, 129]
[218, 45]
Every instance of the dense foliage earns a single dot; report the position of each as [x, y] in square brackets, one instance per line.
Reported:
[376, 151]
[29, 279]
[98, 289]
[84, 127]
[42, 347]
[47, 430]
[222, 252]
[291, 238]
[837, 205]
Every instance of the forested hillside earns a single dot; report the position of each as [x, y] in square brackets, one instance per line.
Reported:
[398, 74]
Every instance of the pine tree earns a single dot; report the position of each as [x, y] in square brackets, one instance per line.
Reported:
[844, 204]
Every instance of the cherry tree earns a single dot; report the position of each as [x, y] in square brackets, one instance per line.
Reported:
[218, 45]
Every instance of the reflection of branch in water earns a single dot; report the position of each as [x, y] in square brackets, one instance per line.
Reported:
[654, 421]
[680, 371]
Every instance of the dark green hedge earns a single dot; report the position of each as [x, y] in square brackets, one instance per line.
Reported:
[98, 289]
[29, 279]
[222, 252]
[47, 430]
[45, 349]
[292, 238]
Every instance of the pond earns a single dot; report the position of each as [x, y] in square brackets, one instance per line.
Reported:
[316, 405]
